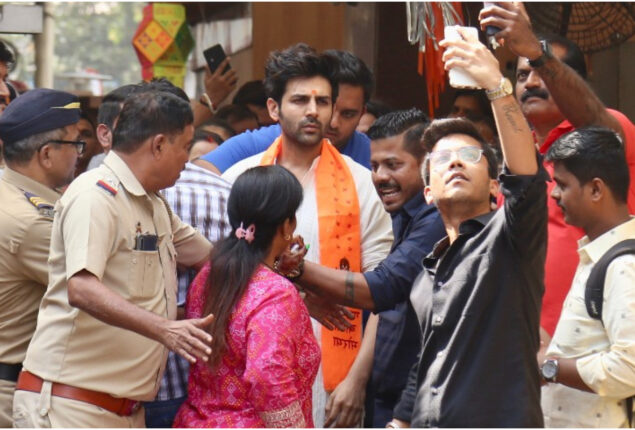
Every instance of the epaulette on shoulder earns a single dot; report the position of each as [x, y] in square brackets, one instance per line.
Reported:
[108, 185]
[44, 208]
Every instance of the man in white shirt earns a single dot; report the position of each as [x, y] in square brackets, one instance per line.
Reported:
[301, 99]
[590, 363]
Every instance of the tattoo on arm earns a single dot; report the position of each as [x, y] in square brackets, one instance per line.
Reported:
[349, 290]
[510, 110]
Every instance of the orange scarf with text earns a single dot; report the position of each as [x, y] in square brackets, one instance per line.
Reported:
[340, 248]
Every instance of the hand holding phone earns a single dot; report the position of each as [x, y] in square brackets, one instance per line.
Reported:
[219, 83]
[214, 56]
[459, 78]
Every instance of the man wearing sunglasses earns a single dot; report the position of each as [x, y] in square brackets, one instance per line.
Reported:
[40, 147]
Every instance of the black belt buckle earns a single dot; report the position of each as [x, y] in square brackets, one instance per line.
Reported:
[10, 372]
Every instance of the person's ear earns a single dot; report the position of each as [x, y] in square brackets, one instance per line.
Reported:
[104, 136]
[274, 109]
[494, 188]
[45, 156]
[597, 189]
[158, 143]
[287, 228]
[427, 194]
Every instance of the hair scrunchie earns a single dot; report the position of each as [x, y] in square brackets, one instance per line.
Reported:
[246, 233]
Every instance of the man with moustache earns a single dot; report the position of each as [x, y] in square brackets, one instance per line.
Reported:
[396, 157]
[555, 99]
[341, 216]
[108, 315]
[354, 87]
[477, 298]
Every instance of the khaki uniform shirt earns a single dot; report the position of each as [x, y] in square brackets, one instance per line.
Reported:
[96, 223]
[24, 248]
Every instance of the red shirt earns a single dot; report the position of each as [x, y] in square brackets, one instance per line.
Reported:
[562, 256]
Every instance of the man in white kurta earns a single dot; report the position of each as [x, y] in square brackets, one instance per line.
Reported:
[300, 98]
[376, 231]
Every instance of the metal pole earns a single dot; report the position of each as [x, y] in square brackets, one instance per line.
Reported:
[44, 48]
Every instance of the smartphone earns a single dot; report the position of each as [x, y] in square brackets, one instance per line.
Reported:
[214, 56]
[490, 30]
[459, 78]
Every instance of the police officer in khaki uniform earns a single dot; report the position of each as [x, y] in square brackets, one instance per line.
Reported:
[109, 311]
[41, 149]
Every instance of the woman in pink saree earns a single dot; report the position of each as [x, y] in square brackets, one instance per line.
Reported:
[264, 354]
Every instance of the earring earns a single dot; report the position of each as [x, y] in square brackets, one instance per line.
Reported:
[287, 238]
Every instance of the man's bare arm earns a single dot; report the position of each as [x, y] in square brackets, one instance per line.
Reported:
[187, 338]
[575, 99]
[346, 288]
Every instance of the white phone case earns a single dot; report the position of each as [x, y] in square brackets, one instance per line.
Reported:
[459, 78]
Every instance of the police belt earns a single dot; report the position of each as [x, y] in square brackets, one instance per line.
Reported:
[10, 372]
[120, 406]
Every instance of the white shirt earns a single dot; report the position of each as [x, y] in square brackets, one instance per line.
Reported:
[376, 236]
[605, 352]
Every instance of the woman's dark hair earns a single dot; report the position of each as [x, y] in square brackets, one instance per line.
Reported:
[264, 196]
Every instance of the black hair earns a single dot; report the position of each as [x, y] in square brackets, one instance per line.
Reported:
[297, 61]
[84, 116]
[252, 92]
[480, 97]
[232, 113]
[6, 55]
[147, 114]
[573, 57]
[264, 196]
[221, 123]
[440, 128]
[412, 121]
[201, 134]
[111, 104]
[377, 108]
[163, 84]
[346, 68]
[594, 152]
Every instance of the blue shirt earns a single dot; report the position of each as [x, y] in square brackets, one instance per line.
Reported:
[255, 141]
[417, 226]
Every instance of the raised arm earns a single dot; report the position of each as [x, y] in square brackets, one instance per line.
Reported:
[575, 99]
[517, 141]
[218, 86]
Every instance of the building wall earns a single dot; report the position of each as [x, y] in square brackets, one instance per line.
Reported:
[376, 32]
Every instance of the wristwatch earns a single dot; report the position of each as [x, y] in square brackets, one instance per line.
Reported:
[546, 55]
[504, 89]
[549, 369]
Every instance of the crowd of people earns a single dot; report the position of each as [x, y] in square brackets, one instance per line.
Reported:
[309, 257]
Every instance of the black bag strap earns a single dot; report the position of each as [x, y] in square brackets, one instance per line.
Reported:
[594, 292]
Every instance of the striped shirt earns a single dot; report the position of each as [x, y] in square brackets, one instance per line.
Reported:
[199, 198]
